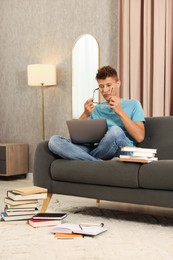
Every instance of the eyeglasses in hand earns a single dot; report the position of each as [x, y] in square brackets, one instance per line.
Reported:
[95, 101]
[105, 102]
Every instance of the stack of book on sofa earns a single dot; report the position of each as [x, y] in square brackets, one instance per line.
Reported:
[22, 203]
[138, 154]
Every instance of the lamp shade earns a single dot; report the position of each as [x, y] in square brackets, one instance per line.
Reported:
[41, 74]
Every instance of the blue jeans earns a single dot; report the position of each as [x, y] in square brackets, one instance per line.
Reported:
[108, 147]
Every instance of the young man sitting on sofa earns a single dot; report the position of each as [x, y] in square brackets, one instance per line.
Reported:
[125, 120]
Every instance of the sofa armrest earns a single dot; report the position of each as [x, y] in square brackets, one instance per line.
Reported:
[42, 162]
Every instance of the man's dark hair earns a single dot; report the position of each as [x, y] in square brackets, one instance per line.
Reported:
[105, 72]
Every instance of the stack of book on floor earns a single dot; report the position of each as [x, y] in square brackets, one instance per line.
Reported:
[46, 219]
[138, 154]
[22, 203]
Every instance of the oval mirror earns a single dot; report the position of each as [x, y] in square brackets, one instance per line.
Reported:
[85, 63]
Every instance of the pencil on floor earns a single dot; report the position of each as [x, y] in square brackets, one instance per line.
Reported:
[68, 236]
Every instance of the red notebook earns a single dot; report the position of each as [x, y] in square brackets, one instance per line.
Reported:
[43, 222]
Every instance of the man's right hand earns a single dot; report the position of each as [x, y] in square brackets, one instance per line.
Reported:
[88, 108]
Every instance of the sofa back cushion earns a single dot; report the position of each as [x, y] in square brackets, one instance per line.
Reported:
[159, 135]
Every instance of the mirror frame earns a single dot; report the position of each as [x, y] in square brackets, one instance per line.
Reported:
[90, 90]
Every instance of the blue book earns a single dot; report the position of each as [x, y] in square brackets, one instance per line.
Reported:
[5, 217]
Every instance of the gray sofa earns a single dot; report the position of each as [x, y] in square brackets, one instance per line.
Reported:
[144, 184]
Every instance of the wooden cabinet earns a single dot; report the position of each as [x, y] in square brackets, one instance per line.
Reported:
[13, 159]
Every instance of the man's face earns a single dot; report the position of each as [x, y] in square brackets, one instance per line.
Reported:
[109, 87]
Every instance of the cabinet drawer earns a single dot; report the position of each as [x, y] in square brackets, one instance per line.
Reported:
[13, 159]
[3, 167]
[2, 153]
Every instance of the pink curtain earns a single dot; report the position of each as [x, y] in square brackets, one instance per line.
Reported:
[145, 54]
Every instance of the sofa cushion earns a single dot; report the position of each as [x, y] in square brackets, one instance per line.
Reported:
[111, 173]
[158, 135]
[157, 175]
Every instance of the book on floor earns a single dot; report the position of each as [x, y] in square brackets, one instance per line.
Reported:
[43, 222]
[68, 236]
[5, 217]
[66, 228]
[21, 211]
[57, 216]
[15, 196]
[29, 203]
[30, 190]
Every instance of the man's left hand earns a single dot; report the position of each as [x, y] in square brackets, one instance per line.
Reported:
[115, 104]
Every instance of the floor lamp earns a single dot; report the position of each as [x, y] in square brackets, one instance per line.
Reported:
[42, 75]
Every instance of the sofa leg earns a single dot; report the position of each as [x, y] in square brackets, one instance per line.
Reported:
[97, 201]
[46, 203]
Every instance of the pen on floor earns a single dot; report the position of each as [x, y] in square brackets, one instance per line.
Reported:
[92, 224]
[80, 227]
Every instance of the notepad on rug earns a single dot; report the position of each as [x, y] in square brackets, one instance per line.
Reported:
[67, 228]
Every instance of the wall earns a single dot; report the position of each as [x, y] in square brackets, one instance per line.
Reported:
[44, 31]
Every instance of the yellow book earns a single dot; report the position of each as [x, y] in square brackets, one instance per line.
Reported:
[30, 190]
[16, 196]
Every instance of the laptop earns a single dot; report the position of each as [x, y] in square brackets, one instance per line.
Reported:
[87, 131]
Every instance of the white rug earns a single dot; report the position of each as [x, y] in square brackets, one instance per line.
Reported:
[130, 235]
